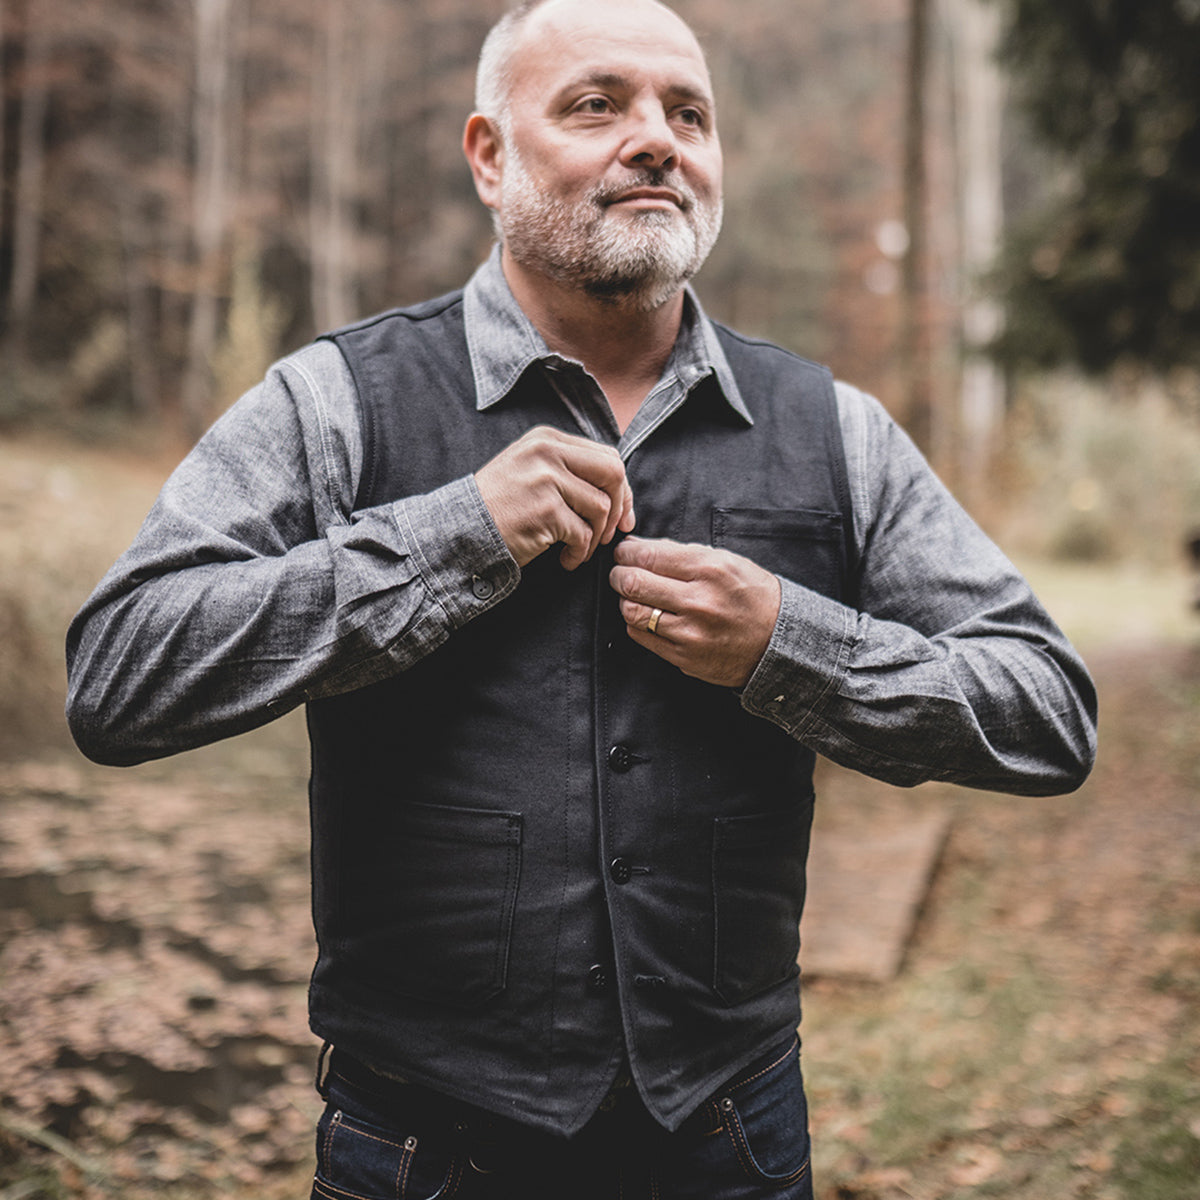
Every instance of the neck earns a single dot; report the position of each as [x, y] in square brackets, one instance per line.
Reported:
[624, 348]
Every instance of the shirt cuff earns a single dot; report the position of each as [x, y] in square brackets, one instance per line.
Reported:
[804, 662]
[460, 553]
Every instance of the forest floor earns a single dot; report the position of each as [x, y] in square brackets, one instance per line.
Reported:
[1040, 1040]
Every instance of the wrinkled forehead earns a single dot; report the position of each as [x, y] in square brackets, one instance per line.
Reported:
[563, 38]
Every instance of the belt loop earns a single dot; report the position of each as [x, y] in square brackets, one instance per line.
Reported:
[321, 1080]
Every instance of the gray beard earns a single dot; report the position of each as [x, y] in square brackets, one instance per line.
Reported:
[636, 259]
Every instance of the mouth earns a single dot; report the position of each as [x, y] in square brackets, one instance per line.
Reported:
[650, 197]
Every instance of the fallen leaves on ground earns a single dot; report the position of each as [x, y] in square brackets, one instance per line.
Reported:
[156, 949]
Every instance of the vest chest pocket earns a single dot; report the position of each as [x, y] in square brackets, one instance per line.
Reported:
[429, 910]
[758, 894]
[801, 544]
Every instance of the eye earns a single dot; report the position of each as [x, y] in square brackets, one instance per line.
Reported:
[590, 105]
[693, 117]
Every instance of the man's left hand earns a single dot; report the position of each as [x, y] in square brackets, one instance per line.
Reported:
[718, 610]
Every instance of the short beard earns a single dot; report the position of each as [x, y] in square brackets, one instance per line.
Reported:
[633, 259]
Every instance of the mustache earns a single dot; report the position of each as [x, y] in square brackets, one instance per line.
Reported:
[649, 177]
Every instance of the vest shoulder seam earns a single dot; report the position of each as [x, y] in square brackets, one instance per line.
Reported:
[766, 344]
[424, 311]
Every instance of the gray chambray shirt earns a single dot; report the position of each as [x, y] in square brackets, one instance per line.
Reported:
[254, 586]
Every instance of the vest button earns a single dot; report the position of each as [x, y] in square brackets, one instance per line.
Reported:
[620, 759]
[620, 871]
[598, 978]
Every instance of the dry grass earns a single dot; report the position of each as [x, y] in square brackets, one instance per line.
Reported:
[66, 511]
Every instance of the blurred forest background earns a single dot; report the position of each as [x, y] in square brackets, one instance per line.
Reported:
[193, 187]
[986, 212]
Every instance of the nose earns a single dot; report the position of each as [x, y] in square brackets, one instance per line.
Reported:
[652, 141]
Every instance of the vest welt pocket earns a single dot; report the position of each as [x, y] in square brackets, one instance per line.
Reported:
[430, 916]
[758, 893]
[801, 544]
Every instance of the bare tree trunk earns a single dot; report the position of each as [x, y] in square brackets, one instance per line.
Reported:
[336, 103]
[210, 201]
[172, 239]
[3, 124]
[27, 211]
[980, 103]
[143, 353]
[919, 407]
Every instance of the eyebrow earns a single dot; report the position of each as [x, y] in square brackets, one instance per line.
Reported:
[613, 79]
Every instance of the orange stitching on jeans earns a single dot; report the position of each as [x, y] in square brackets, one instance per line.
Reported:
[770, 1067]
[373, 1137]
[332, 1192]
[714, 1115]
[733, 1126]
[741, 1147]
[456, 1176]
[327, 1147]
[406, 1161]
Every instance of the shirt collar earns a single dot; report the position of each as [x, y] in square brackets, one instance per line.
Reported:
[502, 342]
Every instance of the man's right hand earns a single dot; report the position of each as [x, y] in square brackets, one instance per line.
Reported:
[550, 487]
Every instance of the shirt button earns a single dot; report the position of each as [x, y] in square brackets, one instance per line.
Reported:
[620, 871]
[598, 978]
[484, 589]
[620, 759]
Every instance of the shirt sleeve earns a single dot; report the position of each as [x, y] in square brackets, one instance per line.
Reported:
[947, 667]
[254, 586]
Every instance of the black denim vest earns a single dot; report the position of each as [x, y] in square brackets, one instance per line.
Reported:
[542, 848]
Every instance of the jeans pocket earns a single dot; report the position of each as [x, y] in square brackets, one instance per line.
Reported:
[357, 1160]
[764, 1117]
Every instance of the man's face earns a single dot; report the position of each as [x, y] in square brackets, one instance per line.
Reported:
[612, 166]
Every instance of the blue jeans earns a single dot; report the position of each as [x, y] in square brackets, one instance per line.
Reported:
[381, 1139]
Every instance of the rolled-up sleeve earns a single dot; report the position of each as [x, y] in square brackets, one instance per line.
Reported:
[947, 666]
[253, 585]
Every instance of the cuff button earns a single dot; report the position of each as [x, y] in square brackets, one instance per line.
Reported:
[484, 589]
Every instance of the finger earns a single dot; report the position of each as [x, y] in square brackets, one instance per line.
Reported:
[640, 587]
[621, 517]
[578, 540]
[661, 556]
[601, 466]
[594, 510]
[591, 480]
[578, 535]
[628, 515]
[639, 618]
[612, 517]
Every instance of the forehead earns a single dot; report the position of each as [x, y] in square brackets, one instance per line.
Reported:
[633, 40]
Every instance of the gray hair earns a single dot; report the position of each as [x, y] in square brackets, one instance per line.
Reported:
[494, 75]
[493, 78]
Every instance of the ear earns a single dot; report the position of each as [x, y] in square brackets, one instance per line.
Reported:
[484, 148]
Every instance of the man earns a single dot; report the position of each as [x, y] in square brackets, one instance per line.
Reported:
[561, 800]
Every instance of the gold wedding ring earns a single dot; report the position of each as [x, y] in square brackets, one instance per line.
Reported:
[655, 617]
